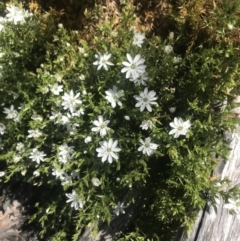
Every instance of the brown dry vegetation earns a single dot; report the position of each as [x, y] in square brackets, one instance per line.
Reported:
[189, 18]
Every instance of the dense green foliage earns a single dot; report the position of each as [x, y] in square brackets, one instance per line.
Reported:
[174, 179]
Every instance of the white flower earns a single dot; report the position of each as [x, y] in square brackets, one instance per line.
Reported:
[66, 179]
[2, 129]
[16, 158]
[172, 109]
[2, 21]
[82, 77]
[36, 117]
[36, 173]
[88, 139]
[177, 60]
[171, 35]
[76, 203]
[107, 150]
[20, 147]
[57, 117]
[126, 117]
[103, 61]
[146, 99]
[11, 113]
[65, 150]
[37, 156]
[34, 133]
[113, 96]
[141, 79]
[2, 174]
[57, 173]
[168, 49]
[23, 171]
[101, 126]
[81, 50]
[96, 182]
[56, 89]
[60, 25]
[72, 128]
[233, 205]
[78, 113]
[180, 127]
[70, 101]
[138, 39]
[146, 124]
[15, 14]
[65, 153]
[119, 209]
[65, 120]
[134, 67]
[147, 147]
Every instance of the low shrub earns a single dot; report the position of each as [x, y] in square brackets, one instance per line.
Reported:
[88, 115]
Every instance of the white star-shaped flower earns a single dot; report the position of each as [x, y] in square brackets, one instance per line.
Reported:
[56, 117]
[20, 147]
[16, 14]
[103, 61]
[119, 209]
[146, 124]
[147, 148]
[146, 99]
[113, 96]
[135, 67]
[76, 202]
[233, 205]
[70, 101]
[101, 126]
[138, 39]
[11, 113]
[65, 153]
[57, 173]
[107, 150]
[37, 156]
[141, 79]
[180, 127]
[65, 119]
[34, 133]
[56, 89]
